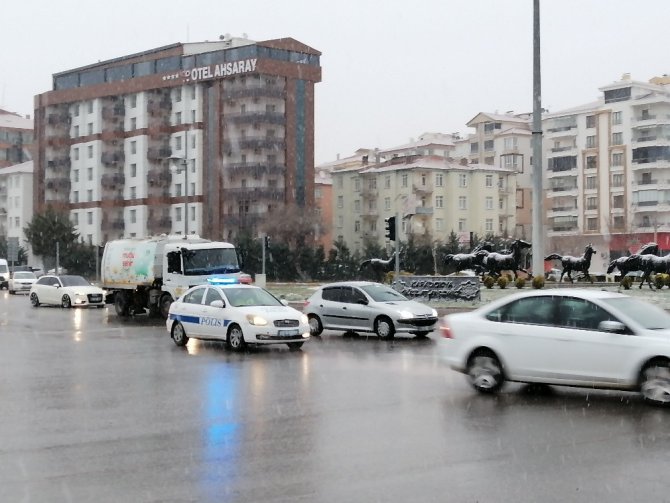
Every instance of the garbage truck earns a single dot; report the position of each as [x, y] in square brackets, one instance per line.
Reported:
[144, 275]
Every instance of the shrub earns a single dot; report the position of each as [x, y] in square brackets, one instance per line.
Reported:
[502, 282]
[538, 282]
[509, 277]
[660, 281]
[520, 282]
[489, 281]
[627, 282]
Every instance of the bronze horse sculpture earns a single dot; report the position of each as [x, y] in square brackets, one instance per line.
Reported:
[494, 263]
[461, 261]
[633, 262]
[653, 264]
[577, 264]
[378, 266]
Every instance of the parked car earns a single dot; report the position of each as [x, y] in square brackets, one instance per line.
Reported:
[66, 291]
[364, 306]
[571, 337]
[4, 274]
[21, 281]
[235, 313]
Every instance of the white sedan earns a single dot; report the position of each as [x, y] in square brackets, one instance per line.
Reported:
[66, 291]
[21, 281]
[570, 337]
[237, 314]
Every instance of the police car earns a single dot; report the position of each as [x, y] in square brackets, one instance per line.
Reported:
[236, 313]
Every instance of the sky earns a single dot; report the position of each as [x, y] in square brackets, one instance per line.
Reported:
[392, 69]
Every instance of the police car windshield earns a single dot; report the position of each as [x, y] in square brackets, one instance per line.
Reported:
[239, 297]
[210, 261]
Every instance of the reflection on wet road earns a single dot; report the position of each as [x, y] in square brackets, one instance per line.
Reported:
[100, 409]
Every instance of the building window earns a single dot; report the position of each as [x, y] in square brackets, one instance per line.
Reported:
[75, 218]
[617, 180]
[357, 184]
[489, 225]
[618, 222]
[177, 95]
[75, 196]
[488, 145]
[357, 226]
[177, 214]
[591, 162]
[133, 123]
[76, 175]
[89, 149]
[90, 107]
[403, 182]
[387, 203]
[133, 216]
[177, 118]
[76, 131]
[340, 221]
[489, 181]
[133, 101]
[590, 121]
[177, 142]
[439, 180]
[89, 217]
[489, 203]
[76, 110]
[617, 138]
[133, 147]
[133, 170]
[340, 201]
[461, 224]
[590, 182]
[89, 195]
[462, 180]
[177, 190]
[617, 159]
[510, 143]
[89, 128]
[133, 192]
[592, 224]
[439, 201]
[591, 203]
[387, 182]
[439, 224]
[357, 206]
[590, 142]
[474, 148]
[462, 203]
[616, 118]
[617, 201]
[89, 174]
[75, 152]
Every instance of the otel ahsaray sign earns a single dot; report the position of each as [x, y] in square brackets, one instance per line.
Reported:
[214, 71]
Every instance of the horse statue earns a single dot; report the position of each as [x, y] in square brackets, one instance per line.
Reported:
[633, 262]
[378, 266]
[653, 264]
[473, 260]
[577, 264]
[494, 263]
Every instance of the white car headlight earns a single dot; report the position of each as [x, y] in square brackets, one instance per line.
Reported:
[304, 320]
[433, 312]
[406, 314]
[255, 319]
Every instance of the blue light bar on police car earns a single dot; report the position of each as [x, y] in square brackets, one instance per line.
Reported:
[222, 281]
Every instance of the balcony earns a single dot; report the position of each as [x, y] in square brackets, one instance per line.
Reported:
[114, 112]
[159, 177]
[243, 220]
[255, 193]
[257, 91]
[158, 153]
[59, 184]
[112, 157]
[370, 213]
[60, 164]
[247, 142]
[159, 225]
[423, 188]
[61, 119]
[254, 168]
[112, 181]
[255, 117]
[423, 211]
[112, 224]
[158, 107]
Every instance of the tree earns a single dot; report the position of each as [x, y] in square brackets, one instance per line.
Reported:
[45, 230]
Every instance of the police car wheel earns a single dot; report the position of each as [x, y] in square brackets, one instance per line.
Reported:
[235, 338]
[179, 334]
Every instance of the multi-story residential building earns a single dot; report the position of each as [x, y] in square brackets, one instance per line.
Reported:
[16, 203]
[430, 194]
[323, 205]
[435, 144]
[608, 170]
[503, 140]
[16, 138]
[200, 137]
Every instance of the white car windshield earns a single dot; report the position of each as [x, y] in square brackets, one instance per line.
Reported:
[381, 293]
[647, 315]
[74, 281]
[238, 297]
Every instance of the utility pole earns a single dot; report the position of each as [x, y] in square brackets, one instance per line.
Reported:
[537, 233]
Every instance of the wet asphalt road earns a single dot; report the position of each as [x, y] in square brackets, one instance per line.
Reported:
[95, 409]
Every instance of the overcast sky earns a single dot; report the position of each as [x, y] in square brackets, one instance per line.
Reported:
[391, 69]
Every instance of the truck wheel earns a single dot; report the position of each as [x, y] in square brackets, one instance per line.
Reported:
[165, 303]
[121, 304]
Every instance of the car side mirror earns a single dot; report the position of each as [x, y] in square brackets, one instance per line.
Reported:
[284, 301]
[363, 302]
[56, 285]
[217, 303]
[611, 326]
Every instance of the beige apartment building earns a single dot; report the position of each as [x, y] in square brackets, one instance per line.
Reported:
[431, 194]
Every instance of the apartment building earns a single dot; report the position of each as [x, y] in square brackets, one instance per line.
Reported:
[16, 203]
[205, 138]
[432, 195]
[608, 170]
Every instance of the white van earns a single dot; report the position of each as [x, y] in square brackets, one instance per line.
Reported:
[4, 274]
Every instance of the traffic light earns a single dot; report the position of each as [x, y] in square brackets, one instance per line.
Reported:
[390, 228]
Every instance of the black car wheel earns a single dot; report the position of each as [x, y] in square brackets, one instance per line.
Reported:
[294, 346]
[485, 372]
[65, 302]
[655, 382]
[235, 338]
[34, 300]
[179, 334]
[315, 326]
